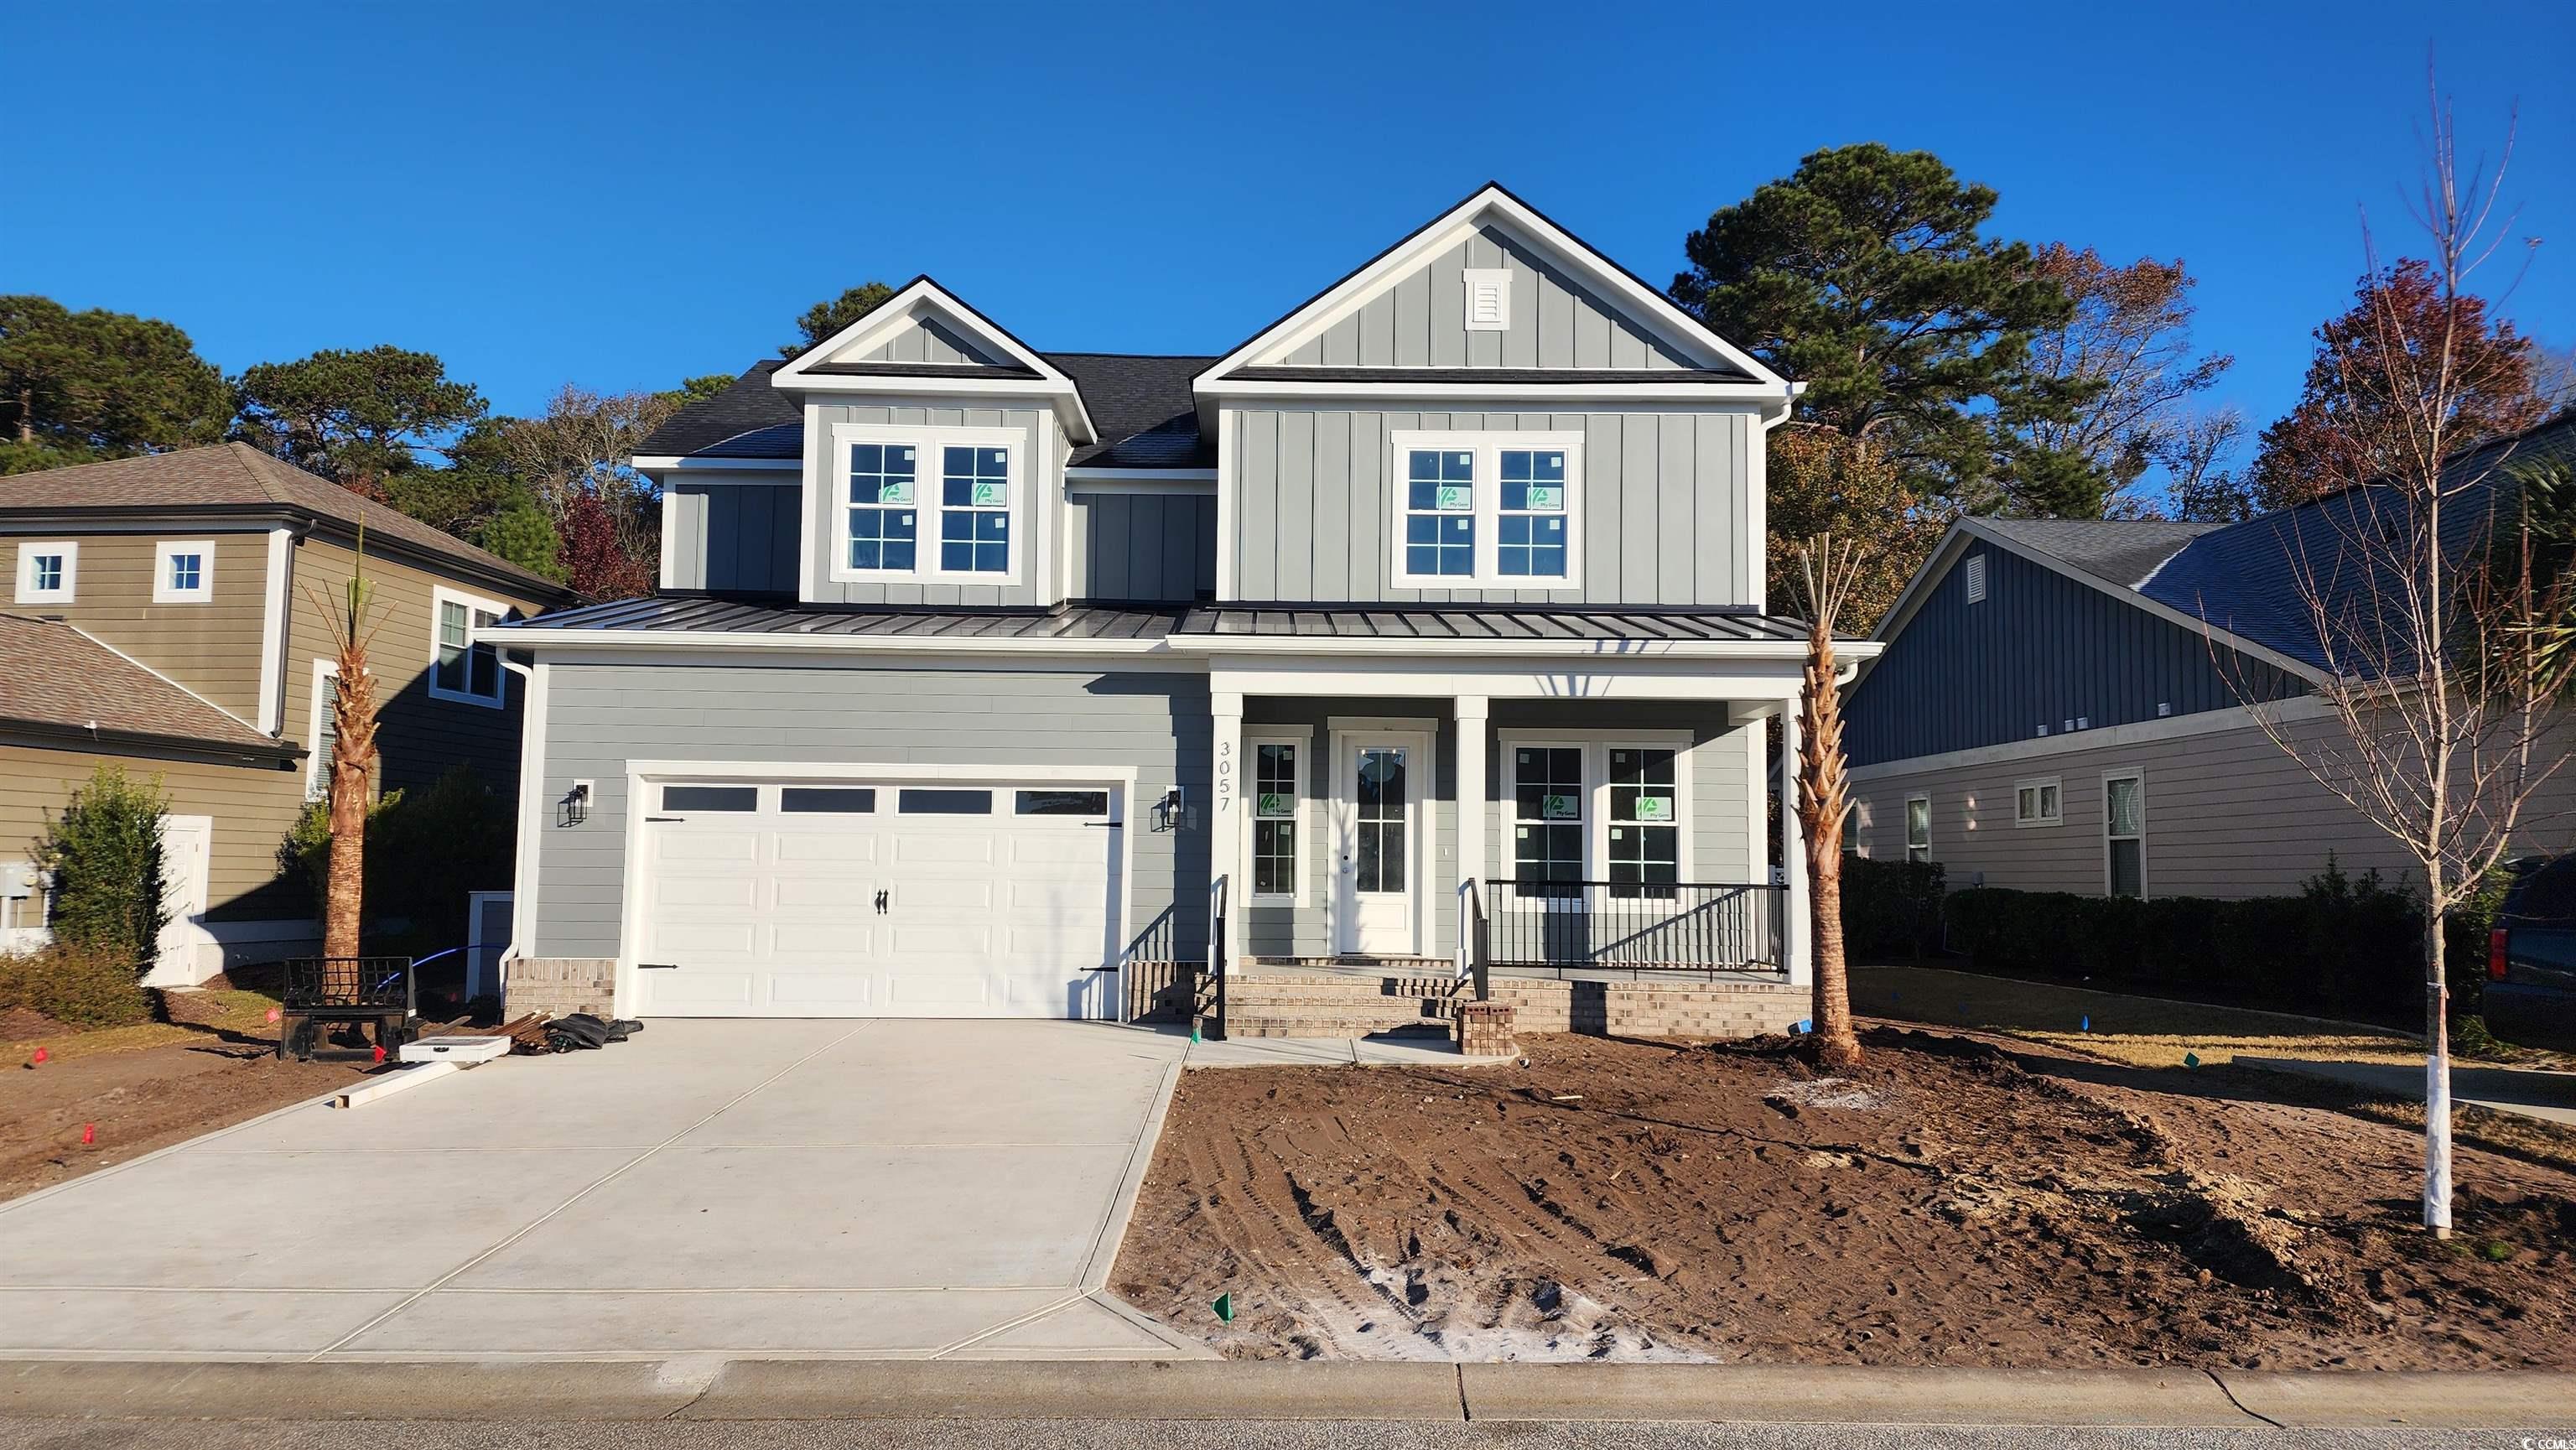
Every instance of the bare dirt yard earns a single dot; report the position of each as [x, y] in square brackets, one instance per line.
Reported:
[1951, 1201]
[142, 1087]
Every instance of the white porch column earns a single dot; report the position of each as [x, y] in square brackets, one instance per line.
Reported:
[1793, 853]
[1474, 841]
[1225, 816]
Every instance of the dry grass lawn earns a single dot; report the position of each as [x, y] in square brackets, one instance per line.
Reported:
[223, 1010]
[2140, 1031]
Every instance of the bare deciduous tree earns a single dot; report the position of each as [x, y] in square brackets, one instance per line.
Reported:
[1828, 571]
[2427, 615]
[2128, 349]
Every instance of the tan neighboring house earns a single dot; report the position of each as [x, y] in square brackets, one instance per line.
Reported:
[171, 614]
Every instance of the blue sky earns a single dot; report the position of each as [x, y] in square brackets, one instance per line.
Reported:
[622, 195]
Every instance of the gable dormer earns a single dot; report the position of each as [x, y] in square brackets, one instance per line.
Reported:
[934, 454]
[1490, 411]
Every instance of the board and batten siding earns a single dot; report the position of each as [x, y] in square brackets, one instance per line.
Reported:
[1663, 505]
[253, 808]
[2228, 814]
[1142, 546]
[419, 738]
[737, 536]
[211, 648]
[926, 341]
[1726, 801]
[1556, 322]
[1041, 475]
[601, 716]
[2040, 652]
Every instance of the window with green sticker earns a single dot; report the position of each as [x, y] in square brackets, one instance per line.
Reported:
[1547, 815]
[1531, 538]
[1440, 512]
[1274, 819]
[1645, 830]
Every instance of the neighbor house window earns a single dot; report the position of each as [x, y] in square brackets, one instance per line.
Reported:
[46, 572]
[1547, 816]
[884, 526]
[1440, 513]
[462, 669]
[1530, 537]
[1486, 509]
[2124, 834]
[1645, 819]
[184, 572]
[1275, 793]
[1918, 828]
[975, 510]
[2037, 803]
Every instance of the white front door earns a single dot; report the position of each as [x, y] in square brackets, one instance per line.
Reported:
[188, 952]
[1382, 778]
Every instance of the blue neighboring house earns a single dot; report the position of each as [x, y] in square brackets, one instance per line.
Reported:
[2072, 705]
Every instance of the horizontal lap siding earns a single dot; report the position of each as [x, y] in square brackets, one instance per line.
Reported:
[1039, 520]
[2228, 814]
[211, 648]
[420, 738]
[600, 717]
[1662, 505]
[252, 809]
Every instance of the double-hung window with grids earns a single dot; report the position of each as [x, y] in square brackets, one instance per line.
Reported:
[1645, 820]
[1486, 510]
[928, 503]
[1274, 817]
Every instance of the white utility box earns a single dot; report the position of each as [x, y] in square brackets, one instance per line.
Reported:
[455, 1049]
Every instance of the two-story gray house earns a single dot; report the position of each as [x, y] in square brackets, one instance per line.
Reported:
[984, 681]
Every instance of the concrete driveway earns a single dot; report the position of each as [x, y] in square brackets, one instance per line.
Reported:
[740, 1189]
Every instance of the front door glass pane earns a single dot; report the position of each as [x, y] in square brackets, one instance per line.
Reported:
[1379, 852]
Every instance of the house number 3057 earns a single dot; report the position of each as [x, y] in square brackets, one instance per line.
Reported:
[1224, 776]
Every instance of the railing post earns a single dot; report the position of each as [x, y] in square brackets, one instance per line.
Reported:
[1217, 950]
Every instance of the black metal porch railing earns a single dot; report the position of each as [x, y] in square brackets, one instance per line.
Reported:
[1628, 927]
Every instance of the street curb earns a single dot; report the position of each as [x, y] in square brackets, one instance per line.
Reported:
[1274, 1390]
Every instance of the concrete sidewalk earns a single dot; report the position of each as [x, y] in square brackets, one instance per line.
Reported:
[2547, 1096]
[1279, 1391]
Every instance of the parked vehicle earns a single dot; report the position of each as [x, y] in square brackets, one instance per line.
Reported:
[2531, 956]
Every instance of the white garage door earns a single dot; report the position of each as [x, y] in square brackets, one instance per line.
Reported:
[836, 899]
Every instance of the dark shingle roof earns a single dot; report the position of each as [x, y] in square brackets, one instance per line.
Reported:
[751, 405]
[687, 614]
[236, 475]
[63, 683]
[1486, 375]
[1453, 622]
[2122, 551]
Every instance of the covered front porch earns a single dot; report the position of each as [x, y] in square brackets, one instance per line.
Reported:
[1423, 823]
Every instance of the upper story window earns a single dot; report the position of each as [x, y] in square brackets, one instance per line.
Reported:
[47, 572]
[971, 528]
[460, 669]
[183, 572]
[1486, 509]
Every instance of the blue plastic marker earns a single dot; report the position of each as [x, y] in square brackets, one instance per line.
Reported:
[2087, 1024]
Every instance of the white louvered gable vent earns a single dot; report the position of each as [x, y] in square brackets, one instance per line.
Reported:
[1977, 579]
[1489, 299]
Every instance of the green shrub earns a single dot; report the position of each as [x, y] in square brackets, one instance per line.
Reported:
[75, 985]
[1891, 908]
[2344, 946]
[426, 851]
[104, 851]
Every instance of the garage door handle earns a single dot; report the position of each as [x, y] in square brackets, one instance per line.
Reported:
[657, 966]
[881, 903]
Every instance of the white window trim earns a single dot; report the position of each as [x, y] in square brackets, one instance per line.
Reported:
[1596, 750]
[926, 440]
[28, 552]
[439, 598]
[1488, 447]
[315, 786]
[1301, 815]
[2138, 774]
[2035, 783]
[165, 592]
[1926, 847]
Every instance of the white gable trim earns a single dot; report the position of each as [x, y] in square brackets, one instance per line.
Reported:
[1954, 544]
[1495, 207]
[923, 299]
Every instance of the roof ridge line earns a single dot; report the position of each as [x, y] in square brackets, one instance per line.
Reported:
[165, 679]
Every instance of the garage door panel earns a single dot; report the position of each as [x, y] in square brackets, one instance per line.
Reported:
[775, 912]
